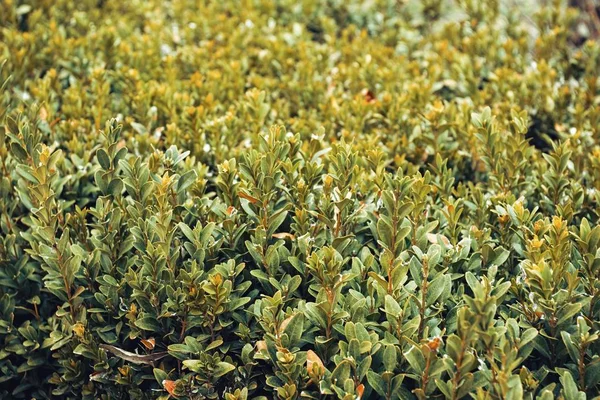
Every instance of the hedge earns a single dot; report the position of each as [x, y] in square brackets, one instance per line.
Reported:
[294, 199]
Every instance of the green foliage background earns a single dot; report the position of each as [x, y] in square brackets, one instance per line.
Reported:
[298, 199]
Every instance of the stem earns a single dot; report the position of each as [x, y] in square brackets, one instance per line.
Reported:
[393, 246]
[552, 321]
[331, 297]
[183, 325]
[425, 376]
[36, 312]
[423, 306]
[581, 367]
[388, 393]
[457, 376]
[65, 283]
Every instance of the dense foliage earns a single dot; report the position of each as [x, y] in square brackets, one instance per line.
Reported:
[298, 199]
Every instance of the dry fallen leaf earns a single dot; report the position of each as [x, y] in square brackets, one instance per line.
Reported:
[149, 343]
[169, 387]
[231, 210]
[248, 197]
[360, 389]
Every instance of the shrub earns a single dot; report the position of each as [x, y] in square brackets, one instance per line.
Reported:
[298, 199]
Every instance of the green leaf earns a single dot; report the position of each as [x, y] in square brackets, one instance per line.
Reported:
[377, 383]
[569, 389]
[160, 375]
[436, 288]
[384, 230]
[148, 324]
[528, 336]
[501, 255]
[567, 312]
[415, 359]
[316, 315]
[341, 372]
[391, 306]
[445, 387]
[571, 348]
[235, 304]
[103, 159]
[84, 351]
[186, 180]
[294, 329]
[110, 280]
[139, 128]
[187, 231]
[195, 365]
[115, 187]
[18, 151]
[27, 173]
[592, 373]
[222, 368]
[276, 222]
[389, 358]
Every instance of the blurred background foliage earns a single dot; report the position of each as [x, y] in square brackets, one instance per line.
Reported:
[299, 199]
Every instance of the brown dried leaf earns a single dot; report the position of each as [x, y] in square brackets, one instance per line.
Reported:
[170, 387]
[313, 359]
[149, 343]
[246, 196]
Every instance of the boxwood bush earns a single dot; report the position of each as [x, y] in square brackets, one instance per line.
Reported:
[298, 199]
